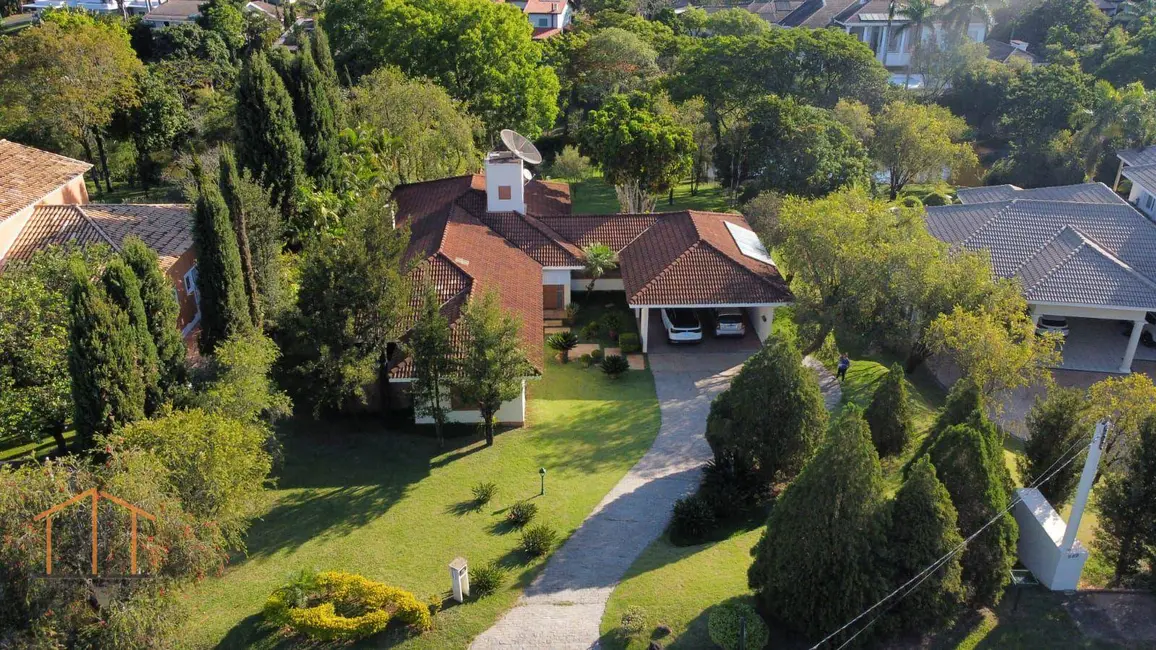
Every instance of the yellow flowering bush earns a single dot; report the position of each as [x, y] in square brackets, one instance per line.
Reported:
[336, 606]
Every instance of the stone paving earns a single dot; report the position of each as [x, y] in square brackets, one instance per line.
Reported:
[563, 607]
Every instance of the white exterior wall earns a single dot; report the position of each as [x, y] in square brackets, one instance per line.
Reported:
[558, 276]
[511, 412]
[1144, 200]
[1038, 309]
[601, 284]
[761, 318]
[1040, 537]
[505, 172]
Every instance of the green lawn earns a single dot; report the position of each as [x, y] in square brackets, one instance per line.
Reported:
[38, 449]
[356, 496]
[133, 194]
[594, 196]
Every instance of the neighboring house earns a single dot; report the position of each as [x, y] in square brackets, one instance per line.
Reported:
[43, 202]
[1082, 254]
[498, 231]
[547, 18]
[1139, 166]
[1004, 52]
[131, 7]
[174, 12]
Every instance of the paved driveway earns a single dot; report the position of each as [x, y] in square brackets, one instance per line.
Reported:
[563, 607]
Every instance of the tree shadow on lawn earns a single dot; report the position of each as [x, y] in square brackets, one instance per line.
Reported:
[588, 437]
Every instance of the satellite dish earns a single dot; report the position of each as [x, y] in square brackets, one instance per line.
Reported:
[521, 147]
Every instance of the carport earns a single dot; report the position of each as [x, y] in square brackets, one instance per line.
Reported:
[759, 319]
[1100, 340]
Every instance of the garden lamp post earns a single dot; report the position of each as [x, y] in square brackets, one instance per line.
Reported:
[542, 473]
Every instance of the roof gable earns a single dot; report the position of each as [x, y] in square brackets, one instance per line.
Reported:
[28, 174]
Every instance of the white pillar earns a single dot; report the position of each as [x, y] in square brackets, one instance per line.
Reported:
[644, 327]
[1035, 311]
[1133, 341]
[1091, 463]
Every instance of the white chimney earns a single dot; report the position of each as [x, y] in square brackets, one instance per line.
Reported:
[504, 183]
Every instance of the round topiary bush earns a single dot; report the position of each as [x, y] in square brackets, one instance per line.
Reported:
[911, 201]
[335, 606]
[936, 198]
[724, 625]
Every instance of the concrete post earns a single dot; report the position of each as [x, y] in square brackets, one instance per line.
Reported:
[644, 328]
[1035, 311]
[1090, 465]
[1133, 341]
[1119, 173]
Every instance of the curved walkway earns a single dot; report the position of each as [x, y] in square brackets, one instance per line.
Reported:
[563, 607]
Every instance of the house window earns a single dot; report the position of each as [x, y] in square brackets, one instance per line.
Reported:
[894, 40]
[1149, 202]
[504, 192]
[543, 22]
[191, 285]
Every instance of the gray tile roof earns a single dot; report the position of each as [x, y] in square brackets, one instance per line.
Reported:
[1082, 193]
[1094, 254]
[1142, 175]
[1144, 156]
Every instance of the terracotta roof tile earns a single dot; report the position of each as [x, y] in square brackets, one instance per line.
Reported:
[165, 228]
[613, 230]
[28, 174]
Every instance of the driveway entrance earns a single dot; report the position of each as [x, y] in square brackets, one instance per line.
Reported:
[658, 344]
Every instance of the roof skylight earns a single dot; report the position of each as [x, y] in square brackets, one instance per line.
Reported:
[749, 244]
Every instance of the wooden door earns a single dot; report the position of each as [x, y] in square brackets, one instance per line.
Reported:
[553, 296]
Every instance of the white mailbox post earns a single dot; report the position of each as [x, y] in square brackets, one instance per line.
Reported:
[460, 578]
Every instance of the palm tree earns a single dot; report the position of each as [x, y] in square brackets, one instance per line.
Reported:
[919, 14]
[600, 258]
[957, 14]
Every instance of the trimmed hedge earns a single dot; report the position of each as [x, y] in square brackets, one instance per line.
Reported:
[309, 605]
[629, 343]
[724, 624]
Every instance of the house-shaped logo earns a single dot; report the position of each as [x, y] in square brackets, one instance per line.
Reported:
[95, 496]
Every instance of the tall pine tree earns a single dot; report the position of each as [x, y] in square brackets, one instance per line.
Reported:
[817, 564]
[923, 528]
[107, 390]
[224, 309]
[889, 414]
[1125, 500]
[230, 181]
[322, 55]
[316, 109]
[969, 460]
[123, 289]
[161, 309]
[1056, 424]
[268, 144]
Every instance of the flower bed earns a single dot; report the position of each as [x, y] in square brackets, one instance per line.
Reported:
[334, 606]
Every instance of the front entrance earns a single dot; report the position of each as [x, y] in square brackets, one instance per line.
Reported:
[553, 296]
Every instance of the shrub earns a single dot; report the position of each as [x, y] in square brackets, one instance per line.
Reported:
[571, 313]
[911, 201]
[596, 355]
[591, 330]
[633, 622]
[612, 321]
[484, 493]
[539, 540]
[563, 342]
[614, 365]
[486, 579]
[334, 606]
[587, 359]
[936, 198]
[629, 343]
[724, 625]
[731, 485]
[521, 513]
[889, 414]
[693, 518]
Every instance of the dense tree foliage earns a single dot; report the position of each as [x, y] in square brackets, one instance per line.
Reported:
[1056, 426]
[889, 414]
[772, 416]
[922, 529]
[316, 105]
[229, 182]
[1066, 24]
[816, 565]
[268, 144]
[493, 366]
[480, 51]
[614, 61]
[918, 142]
[220, 279]
[1126, 535]
[124, 291]
[433, 362]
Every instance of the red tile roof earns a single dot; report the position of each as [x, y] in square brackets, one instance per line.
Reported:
[544, 7]
[165, 228]
[545, 32]
[27, 175]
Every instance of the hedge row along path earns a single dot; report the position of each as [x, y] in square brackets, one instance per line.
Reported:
[563, 607]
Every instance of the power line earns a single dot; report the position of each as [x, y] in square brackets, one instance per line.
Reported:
[934, 566]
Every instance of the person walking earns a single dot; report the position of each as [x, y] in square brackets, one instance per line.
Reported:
[844, 364]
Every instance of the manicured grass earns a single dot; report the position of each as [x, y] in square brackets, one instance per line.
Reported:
[1039, 621]
[357, 496]
[595, 196]
[38, 449]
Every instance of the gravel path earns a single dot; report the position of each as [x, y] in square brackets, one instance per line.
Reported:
[563, 607]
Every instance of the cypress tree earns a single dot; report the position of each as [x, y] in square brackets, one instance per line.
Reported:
[315, 108]
[123, 289]
[1055, 424]
[964, 402]
[923, 528]
[1126, 534]
[230, 182]
[889, 414]
[107, 391]
[322, 55]
[772, 416]
[969, 460]
[161, 310]
[224, 310]
[268, 144]
[817, 564]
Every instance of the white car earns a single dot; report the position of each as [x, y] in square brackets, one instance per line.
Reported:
[1055, 324]
[729, 322]
[682, 325]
